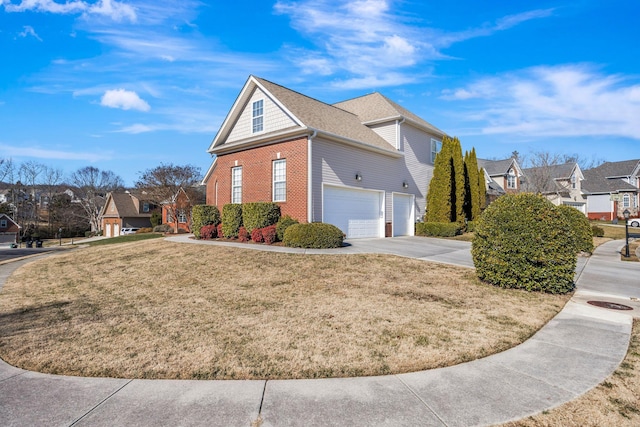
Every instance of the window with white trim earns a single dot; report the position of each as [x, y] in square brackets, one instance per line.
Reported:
[3, 223]
[574, 181]
[280, 180]
[436, 146]
[258, 116]
[626, 200]
[511, 179]
[236, 184]
[145, 207]
[182, 216]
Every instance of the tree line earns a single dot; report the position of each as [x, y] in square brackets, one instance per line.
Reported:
[43, 201]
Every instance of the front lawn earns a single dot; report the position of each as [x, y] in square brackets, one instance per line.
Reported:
[157, 309]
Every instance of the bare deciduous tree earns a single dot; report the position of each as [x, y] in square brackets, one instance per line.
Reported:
[91, 186]
[164, 185]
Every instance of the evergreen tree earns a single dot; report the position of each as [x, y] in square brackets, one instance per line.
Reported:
[439, 194]
[473, 205]
[457, 182]
[482, 192]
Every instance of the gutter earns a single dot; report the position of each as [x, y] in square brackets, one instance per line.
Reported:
[310, 177]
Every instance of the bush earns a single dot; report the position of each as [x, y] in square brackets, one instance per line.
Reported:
[283, 223]
[162, 228]
[581, 232]
[256, 235]
[243, 235]
[144, 230]
[208, 232]
[314, 235]
[523, 241]
[231, 219]
[438, 229]
[597, 231]
[202, 215]
[471, 226]
[269, 234]
[156, 219]
[259, 215]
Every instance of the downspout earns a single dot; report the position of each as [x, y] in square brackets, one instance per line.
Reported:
[310, 178]
[398, 133]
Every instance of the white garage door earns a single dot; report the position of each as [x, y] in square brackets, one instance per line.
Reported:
[403, 215]
[358, 213]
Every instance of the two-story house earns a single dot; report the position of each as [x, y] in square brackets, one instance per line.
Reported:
[125, 210]
[363, 165]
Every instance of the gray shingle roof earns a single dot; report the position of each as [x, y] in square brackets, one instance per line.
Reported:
[595, 181]
[375, 106]
[495, 167]
[618, 169]
[324, 117]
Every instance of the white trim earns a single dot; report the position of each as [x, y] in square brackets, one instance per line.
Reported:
[412, 218]
[233, 169]
[310, 176]
[274, 182]
[254, 117]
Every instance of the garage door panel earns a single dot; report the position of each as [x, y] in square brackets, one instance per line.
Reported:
[358, 213]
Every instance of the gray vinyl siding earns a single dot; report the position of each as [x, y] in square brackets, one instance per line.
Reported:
[388, 132]
[417, 155]
[599, 203]
[274, 118]
[335, 163]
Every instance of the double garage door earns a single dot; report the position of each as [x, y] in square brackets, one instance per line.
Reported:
[360, 213]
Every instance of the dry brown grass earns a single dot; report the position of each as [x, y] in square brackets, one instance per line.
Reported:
[156, 309]
[615, 402]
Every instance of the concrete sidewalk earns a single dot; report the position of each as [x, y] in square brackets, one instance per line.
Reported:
[574, 352]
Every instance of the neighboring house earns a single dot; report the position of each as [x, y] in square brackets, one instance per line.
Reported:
[561, 184]
[363, 165]
[9, 230]
[611, 188]
[501, 177]
[181, 205]
[125, 210]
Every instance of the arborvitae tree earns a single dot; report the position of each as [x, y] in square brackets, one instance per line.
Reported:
[472, 186]
[482, 191]
[457, 182]
[440, 191]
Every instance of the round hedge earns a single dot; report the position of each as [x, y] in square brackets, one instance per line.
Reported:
[314, 235]
[523, 241]
[580, 228]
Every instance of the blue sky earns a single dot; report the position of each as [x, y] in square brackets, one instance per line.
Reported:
[127, 85]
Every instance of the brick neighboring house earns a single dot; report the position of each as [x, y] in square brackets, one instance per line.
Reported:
[501, 176]
[561, 184]
[9, 230]
[363, 165]
[125, 210]
[611, 188]
[183, 203]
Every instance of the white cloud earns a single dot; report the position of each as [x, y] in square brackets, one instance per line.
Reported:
[29, 31]
[113, 9]
[366, 38]
[41, 153]
[124, 99]
[570, 100]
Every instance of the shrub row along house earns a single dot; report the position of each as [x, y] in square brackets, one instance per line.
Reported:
[363, 164]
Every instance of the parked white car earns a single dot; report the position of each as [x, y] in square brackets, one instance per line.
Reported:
[129, 231]
[634, 222]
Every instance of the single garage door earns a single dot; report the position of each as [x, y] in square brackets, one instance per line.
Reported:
[403, 214]
[7, 238]
[358, 213]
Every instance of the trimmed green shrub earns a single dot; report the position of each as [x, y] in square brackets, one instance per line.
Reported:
[471, 226]
[283, 223]
[438, 229]
[202, 215]
[231, 219]
[259, 215]
[315, 235]
[523, 241]
[581, 232]
[597, 231]
[162, 228]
